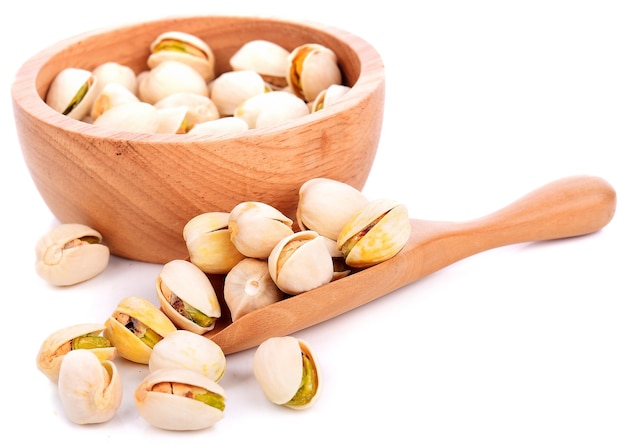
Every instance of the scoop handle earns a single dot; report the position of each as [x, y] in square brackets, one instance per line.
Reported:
[568, 207]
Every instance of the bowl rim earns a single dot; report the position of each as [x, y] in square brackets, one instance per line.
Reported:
[26, 97]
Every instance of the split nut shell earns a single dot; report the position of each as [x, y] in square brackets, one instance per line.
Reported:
[69, 254]
[180, 399]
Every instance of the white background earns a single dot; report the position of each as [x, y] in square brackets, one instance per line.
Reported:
[486, 100]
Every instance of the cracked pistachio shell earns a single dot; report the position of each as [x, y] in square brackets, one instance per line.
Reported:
[328, 97]
[70, 253]
[208, 243]
[184, 349]
[111, 95]
[271, 109]
[135, 117]
[249, 286]
[326, 205]
[90, 390]
[256, 227]
[56, 346]
[378, 232]
[300, 262]
[287, 372]
[72, 92]
[187, 296]
[312, 69]
[185, 48]
[199, 108]
[219, 127]
[135, 326]
[232, 88]
[267, 58]
[165, 399]
[170, 77]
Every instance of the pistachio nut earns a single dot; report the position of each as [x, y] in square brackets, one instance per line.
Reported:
[187, 296]
[312, 69]
[180, 399]
[135, 326]
[208, 242]
[70, 253]
[90, 390]
[185, 48]
[72, 92]
[340, 268]
[184, 349]
[172, 120]
[249, 286]
[113, 72]
[376, 233]
[287, 372]
[111, 95]
[170, 77]
[135, 117]
[325, 205]
[232, 88]
[300, 262]
[328, 97]
[256, 227]
[267, 58]
[219, 127]
[271, 109]
[80, 336]
[199, 108]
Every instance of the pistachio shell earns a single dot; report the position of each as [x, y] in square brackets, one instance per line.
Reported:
[271, 109]
[300, 262]
[113, 72]
[278, 367]
[172, 120]
[184, 349]
[220, 127]
[136, 117]
[340, 268]
[178, 411]
[256, 227]
[170, 77]
[111, 95]
[312, 69]
[267, 58]
[187, 297]
[72, 92]
[56, 346]
[70, 253]
[326, 205]
[185, 48]
[249, 286]
[378, 232]
[133, 319]
[90, 390]
[208, 243]
[199, 108]
[328, 97]
[232, 88]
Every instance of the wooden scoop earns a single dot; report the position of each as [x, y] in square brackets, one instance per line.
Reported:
[568, 207]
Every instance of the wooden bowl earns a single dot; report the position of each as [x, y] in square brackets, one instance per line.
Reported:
[139, 190]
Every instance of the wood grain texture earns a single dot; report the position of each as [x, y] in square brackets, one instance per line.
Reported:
[572, 206]
[139, 190]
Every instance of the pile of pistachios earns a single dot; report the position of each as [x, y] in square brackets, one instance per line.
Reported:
[264, 258]
[180, 92]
